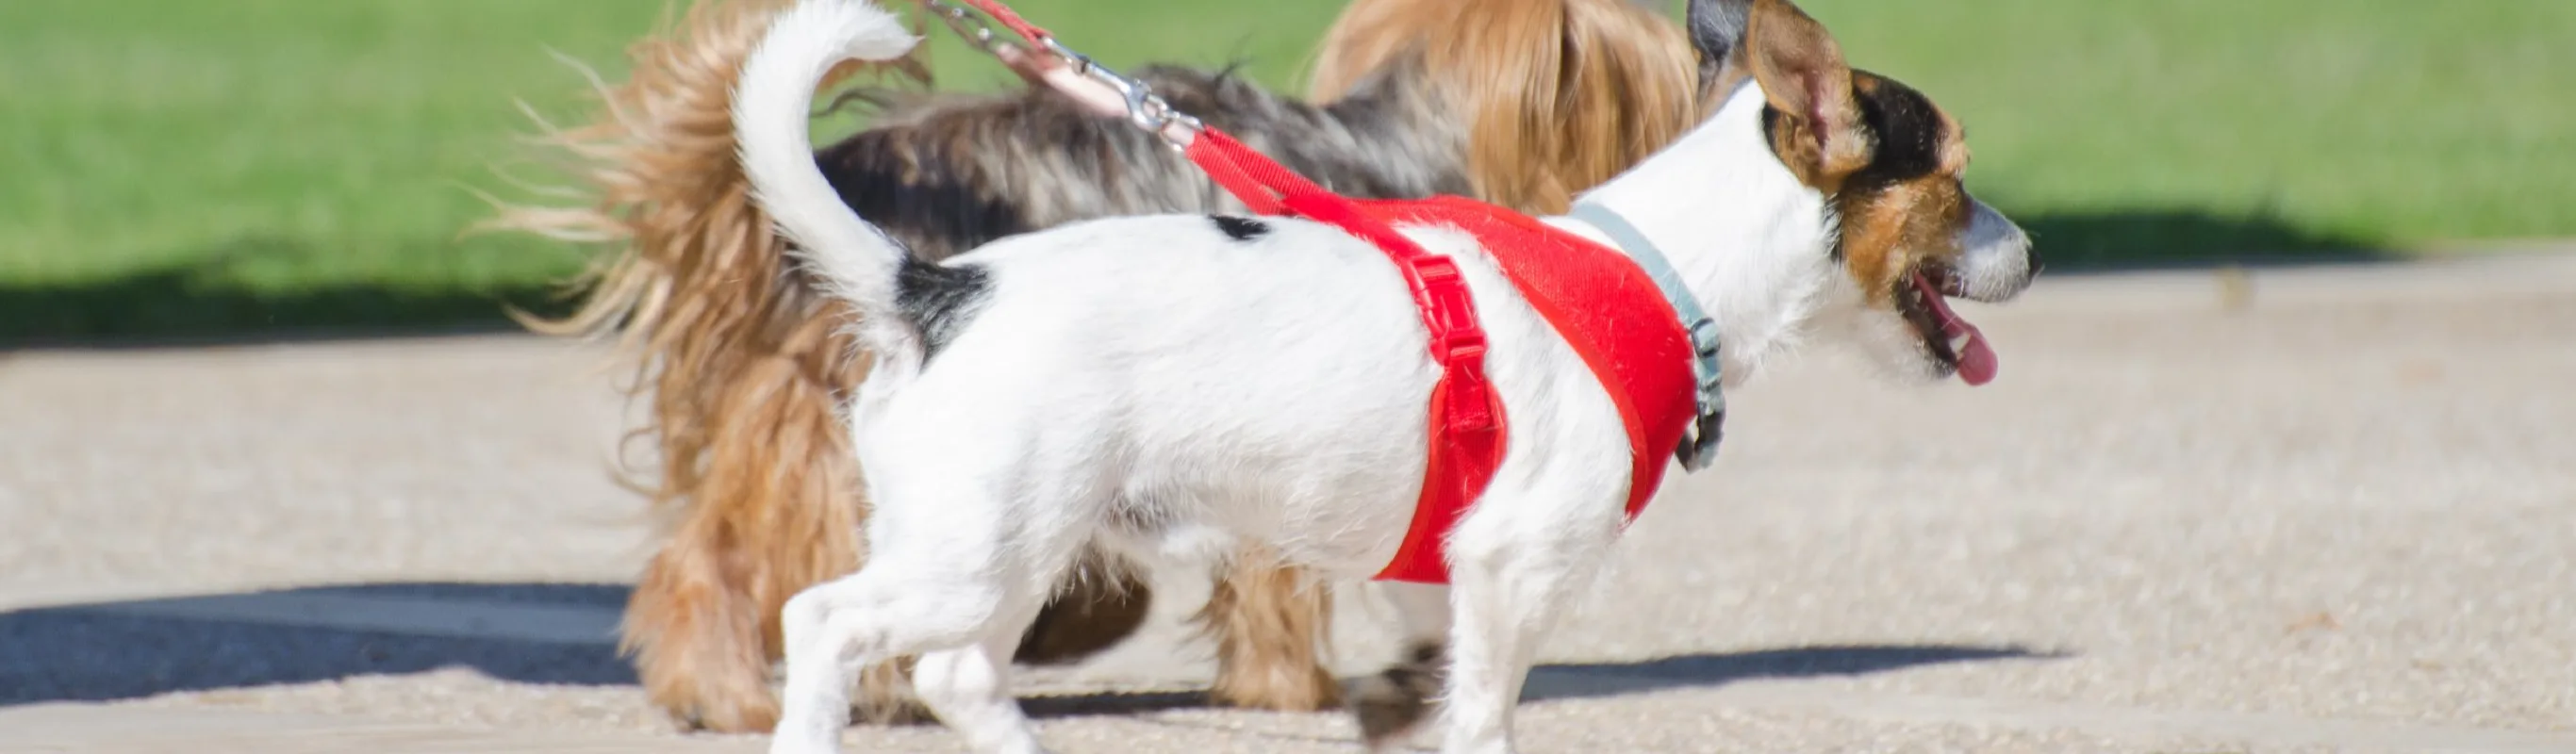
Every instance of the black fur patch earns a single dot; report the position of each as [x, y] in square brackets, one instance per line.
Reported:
[1909, 131]
[925, 191]
[939, 300]
[1240, 228]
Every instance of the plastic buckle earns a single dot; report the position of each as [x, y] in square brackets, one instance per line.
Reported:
[1445, 289]
[1460, 349]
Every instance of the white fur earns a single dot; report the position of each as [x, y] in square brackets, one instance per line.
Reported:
[775, 99]
[1154, 385]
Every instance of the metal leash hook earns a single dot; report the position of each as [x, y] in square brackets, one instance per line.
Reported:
[1145, 109]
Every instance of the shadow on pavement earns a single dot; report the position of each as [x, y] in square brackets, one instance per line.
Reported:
[1709, 670]
[563, 634]
[125, 650]
[1594, 680]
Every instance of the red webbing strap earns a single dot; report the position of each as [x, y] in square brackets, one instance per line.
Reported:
[1467, 434]
[1256, 180]
[1610, 312]
[1017, 25]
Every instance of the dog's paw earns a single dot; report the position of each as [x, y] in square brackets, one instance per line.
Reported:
[756, 717]
[716, 707]
[797, 742]
[1394, 702]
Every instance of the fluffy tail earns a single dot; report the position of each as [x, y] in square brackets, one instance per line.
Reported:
[771, 108]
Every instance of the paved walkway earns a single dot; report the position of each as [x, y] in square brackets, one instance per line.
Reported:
[2331, 510]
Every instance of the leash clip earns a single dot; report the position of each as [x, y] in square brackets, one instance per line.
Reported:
[1145, 109]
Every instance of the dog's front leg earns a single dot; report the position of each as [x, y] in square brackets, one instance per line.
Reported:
[1510, 574]
[1487, 661]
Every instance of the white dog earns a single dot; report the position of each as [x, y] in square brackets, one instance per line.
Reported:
[1170, 385]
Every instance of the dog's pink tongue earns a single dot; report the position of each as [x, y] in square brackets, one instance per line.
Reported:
[1977, 362]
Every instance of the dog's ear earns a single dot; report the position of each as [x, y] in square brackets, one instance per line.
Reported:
[1716, 29]
[1818, 131]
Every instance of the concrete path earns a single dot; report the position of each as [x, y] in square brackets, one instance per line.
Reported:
[2315, 510]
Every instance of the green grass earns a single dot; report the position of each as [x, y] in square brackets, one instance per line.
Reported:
[186, 166]
[215, 166]
[2198, 128]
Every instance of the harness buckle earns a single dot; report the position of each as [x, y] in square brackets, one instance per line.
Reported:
[1460, 342]
[1453, 308]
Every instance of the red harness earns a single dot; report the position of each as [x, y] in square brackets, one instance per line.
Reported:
[1606, 308]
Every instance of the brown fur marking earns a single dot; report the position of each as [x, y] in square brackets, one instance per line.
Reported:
[1272, 625]
[1907, 207]
[1815, 126]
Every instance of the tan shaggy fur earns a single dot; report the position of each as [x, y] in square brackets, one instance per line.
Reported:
[740, 358]
[1561, 95]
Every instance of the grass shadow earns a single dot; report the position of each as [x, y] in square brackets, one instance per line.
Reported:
[2121, 240]
[246, 290]
[219, 298]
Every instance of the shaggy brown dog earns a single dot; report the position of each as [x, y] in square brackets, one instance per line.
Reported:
[1522, 102]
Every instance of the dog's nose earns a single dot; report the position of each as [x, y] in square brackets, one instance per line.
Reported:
[1995, 263]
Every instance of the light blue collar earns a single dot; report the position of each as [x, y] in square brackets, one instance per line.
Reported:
[1699, 446]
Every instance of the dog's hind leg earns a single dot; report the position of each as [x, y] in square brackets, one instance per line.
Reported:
[962, 616]
[963, 558]
[969, 689]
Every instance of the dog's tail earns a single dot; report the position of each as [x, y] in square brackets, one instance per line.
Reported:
[771, 109]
